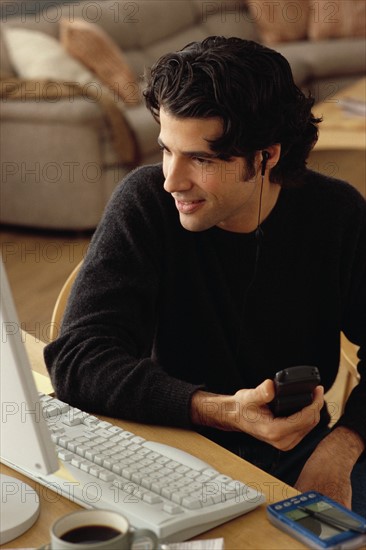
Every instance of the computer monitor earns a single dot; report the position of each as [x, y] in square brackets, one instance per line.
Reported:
[25, 440]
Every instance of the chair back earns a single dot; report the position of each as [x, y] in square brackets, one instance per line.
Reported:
[349, 362]
[60, 305]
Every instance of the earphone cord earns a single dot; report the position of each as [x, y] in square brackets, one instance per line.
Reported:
[258, 236]
[260, 206]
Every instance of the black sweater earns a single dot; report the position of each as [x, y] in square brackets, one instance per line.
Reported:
[158, 311]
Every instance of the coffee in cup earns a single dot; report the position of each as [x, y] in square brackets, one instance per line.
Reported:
[98, 530]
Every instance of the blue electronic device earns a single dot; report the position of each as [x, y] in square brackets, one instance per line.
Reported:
[318, 521]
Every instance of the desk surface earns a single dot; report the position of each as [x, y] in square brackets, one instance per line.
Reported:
[249, 531]
[340, 130]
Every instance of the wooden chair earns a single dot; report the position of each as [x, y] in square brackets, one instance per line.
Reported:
[347, 379]
[349, 362]
[60, 305]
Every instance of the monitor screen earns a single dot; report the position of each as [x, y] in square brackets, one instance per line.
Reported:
[25, 441]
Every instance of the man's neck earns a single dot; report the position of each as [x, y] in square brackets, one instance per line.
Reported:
[269, 200]
[258, 208]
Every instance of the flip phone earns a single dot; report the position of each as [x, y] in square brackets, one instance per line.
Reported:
[294, 389]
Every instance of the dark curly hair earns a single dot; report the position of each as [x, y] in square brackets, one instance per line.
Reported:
[250, 88]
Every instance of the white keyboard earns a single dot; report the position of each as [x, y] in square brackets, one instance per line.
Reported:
[155, 486]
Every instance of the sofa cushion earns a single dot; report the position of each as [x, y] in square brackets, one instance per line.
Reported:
[285, 20]
[334, 58]
[337, 19]
[224, 20]
[91, 45]
[142, 23]
[37, 55]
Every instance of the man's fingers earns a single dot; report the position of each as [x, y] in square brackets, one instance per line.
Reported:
[317, 403]
[264, 393]
[318, 395]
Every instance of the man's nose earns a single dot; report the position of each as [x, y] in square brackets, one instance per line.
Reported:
[176, 176]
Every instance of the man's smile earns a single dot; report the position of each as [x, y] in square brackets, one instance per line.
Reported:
[188, 207]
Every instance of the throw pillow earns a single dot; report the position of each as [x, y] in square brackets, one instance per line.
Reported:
[280, 21]
[36, 55]
[337, 19]
[91, 45]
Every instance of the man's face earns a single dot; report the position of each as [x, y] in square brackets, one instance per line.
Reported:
[207, 191]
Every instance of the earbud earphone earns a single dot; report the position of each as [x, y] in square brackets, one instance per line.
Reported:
[265, 157]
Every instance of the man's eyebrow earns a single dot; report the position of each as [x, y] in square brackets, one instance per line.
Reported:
[201, 154]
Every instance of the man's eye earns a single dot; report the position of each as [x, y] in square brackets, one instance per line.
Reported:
[201, 160]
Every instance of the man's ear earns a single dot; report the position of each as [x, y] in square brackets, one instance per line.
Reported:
[269, 156]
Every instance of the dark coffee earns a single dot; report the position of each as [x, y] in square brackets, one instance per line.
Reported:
[89, 534]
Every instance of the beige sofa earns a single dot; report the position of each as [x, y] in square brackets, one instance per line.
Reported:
[59, 159]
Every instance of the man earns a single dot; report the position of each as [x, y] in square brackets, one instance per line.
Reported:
[230, 262]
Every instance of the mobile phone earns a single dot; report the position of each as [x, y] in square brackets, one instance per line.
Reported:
[294, 389]
[318, 521]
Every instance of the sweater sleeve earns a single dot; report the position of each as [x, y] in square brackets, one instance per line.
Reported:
[354, 313]
[103, 359]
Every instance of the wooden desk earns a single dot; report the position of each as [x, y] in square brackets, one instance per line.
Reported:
[252, 530]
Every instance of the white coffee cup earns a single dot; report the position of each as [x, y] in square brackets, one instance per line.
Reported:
[98, 530]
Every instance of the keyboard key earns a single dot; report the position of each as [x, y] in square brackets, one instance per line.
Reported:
[90, 454]
[65, 455]
[103, 424]
[167, 492]
[177, 497]
[50, 410]
[62, 406]
[158, 487]
[172, 464]
[95, 470]
[72, 420]
[152, 498]
[163, 460]
[44, 398]
[106, 476]
[85, 439]
[115, 429]
[85, 466]
[192, 503]
[210, 472]
[72, 446]
[138, 439]
[137, 477]
[192, 474]
[102, 432]
[182, 469]
[64, 440]
[172, 508]
[120, 483]
[223, 479]
[124, 435]
[91, 421]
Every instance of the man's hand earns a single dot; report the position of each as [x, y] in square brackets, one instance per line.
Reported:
[247, 411]
[328, 470]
